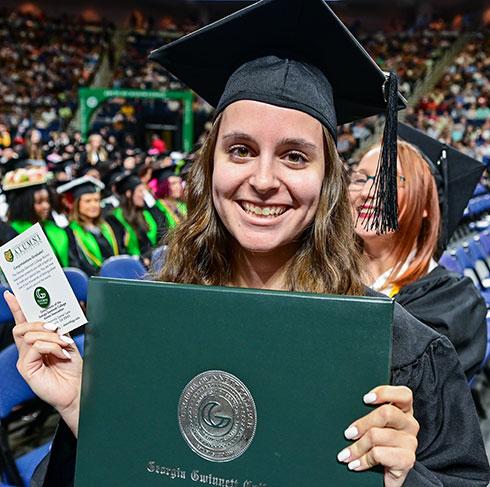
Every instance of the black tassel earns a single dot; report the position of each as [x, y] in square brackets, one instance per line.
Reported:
[444, 198]
[384, 190]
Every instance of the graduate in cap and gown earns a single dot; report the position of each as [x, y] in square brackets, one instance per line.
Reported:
[268, 208]
[170, 195]
[435, 183]
[138, 217]
[92, 239]
[29, 202]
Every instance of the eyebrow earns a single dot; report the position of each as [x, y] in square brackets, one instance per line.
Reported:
[299, 142]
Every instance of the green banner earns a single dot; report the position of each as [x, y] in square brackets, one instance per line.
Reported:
[91, 98]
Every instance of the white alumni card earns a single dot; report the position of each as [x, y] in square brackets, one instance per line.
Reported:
[38, 281]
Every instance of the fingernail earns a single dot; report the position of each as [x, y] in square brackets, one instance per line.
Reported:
[50, 326]
[351, 432]
[66, 339]
[343, 455]
[370, 398]
[354, 464]
[6, 292]
[65, 352]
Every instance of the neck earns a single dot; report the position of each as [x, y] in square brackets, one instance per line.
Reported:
[86, 221]
[378, 258]
[262, 270]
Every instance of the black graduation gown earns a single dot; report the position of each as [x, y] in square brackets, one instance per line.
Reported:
[77, 257]
[6, 233]
[450, 452]
[451, 305]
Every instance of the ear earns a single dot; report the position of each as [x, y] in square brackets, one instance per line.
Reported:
[128, 194]
[425, 214]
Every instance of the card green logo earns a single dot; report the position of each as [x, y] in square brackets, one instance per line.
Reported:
[9, 256]
[42, 297]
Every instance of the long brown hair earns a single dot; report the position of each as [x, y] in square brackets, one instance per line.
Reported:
[326, 261]
[419, 217]
[132, 214]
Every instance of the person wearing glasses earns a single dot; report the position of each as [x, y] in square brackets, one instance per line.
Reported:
[403, 264]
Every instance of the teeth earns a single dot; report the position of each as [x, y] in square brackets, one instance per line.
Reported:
[265, 210]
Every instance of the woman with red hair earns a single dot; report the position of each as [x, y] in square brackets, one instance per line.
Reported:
[402, 264]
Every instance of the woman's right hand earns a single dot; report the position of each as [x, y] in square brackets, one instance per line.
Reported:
[51, 364]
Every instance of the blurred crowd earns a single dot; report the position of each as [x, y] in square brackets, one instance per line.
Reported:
[133, 142]
[457, 111]
[43, 62]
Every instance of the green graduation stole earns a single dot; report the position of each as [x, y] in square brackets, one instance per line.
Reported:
[132, 243]
[88, 243]
[172, 219]
[57, 238]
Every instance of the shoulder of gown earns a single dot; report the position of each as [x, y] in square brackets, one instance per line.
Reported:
[450, 449]
[451, 305]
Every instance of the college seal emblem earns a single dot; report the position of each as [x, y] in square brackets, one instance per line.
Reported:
[217, 416]
[9, 256]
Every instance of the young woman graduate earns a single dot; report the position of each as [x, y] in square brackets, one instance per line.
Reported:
[268, 207]
[144, 226]
[170, 195]
[92, 239]
[29, 202]
[434, 187]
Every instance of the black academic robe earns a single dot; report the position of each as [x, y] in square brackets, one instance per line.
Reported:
[77, 257]
[451, 305]
[450, 449]
[6, 233]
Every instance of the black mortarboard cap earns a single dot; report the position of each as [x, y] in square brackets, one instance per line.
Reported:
[126, 181]
[456, 176]
[294, 54]
[162, 173]
[80, 186]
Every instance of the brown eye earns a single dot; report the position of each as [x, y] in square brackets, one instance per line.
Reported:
[296, 157]
[240, 151]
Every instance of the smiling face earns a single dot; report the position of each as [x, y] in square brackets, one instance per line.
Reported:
[268, 172]
[89, 206]
[361, 197]
[42, 206]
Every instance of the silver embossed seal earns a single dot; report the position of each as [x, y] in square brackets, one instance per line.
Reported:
[217, 416]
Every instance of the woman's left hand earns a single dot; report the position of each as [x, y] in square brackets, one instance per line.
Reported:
[386, 436]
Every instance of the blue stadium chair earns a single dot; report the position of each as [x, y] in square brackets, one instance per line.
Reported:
[451, 263]
[479, 261]
[467, 263]
[485, 242]
[14, 391]
[158, 258]
[78, 281]
[123, 267]
[5, 314]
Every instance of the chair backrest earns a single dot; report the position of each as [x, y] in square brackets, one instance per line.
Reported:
[123, 267]
[451, 263]
[5, 313]
[158, 258]
[78, 281]
[13, 388]
[485, 242]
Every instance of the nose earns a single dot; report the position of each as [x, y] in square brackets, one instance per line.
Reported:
[264, 178]
[367, 189]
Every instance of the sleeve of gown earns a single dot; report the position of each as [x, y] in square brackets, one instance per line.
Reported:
[57, 469]
[450, 451]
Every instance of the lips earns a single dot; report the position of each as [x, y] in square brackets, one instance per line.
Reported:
[365, 211]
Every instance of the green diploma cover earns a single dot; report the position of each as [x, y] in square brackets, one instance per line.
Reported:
[204, 386]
